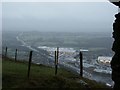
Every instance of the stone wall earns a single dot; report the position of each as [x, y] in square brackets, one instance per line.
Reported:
[115, 63]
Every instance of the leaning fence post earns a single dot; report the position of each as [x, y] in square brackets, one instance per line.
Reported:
[81, 64]
[6, 52]
[29, 64]
[57, 54]
[16, 55]
[55, 63]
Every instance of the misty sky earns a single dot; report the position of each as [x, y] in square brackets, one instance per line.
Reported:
[69, 17]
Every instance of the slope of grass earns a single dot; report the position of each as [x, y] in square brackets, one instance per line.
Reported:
[0, 71]
[15, 76]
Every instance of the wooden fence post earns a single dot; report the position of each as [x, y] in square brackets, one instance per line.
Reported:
[6, 52]
[57, 54]
[81, 64]
[29, 64]
[16, 55]
[55, 62]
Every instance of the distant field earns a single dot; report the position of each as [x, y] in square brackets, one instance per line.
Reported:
[66, 39]
[97, 43]
[96, 49]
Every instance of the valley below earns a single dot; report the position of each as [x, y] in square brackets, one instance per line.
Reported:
[44, 44]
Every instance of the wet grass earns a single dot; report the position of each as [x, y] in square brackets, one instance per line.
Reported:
[14, 75]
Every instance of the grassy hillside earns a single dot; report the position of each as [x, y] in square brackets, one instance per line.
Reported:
[15, 76]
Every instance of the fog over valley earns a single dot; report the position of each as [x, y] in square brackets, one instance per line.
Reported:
[69, 17]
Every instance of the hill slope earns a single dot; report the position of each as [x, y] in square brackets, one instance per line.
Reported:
[15, 76]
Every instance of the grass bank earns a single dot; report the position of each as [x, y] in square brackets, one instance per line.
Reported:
[14, 75]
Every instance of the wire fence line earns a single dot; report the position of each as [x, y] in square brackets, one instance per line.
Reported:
[16, 55]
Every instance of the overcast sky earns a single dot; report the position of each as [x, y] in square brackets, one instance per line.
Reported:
[71, 17]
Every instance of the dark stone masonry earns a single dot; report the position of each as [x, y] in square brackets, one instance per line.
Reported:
[115, 63]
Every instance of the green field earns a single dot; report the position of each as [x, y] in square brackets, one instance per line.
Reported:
[14, 75]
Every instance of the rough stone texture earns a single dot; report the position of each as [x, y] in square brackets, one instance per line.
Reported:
[115, 63]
